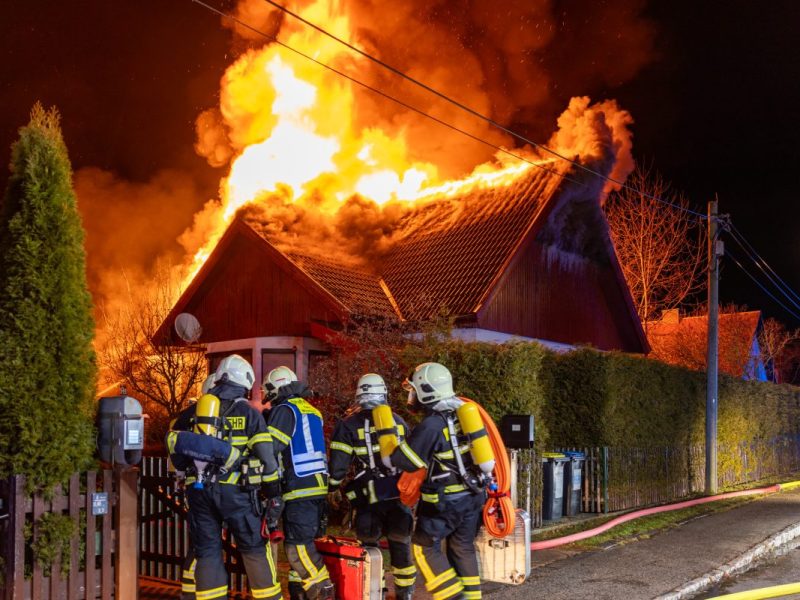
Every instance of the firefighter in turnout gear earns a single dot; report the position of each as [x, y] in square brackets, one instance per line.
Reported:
[453, 493]
[230, 491]
[373, 489]
[299, 444]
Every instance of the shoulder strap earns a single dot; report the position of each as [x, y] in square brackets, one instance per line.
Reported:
[368, 442]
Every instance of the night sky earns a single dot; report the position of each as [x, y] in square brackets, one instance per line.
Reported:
[717, 105]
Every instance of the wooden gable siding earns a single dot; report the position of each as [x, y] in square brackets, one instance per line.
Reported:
[553, 295]
[248, 295]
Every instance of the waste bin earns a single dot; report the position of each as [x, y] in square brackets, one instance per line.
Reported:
[573, 478]
[553, 473]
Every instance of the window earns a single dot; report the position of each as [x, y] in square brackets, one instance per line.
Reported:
[271, 359]
[215, 358]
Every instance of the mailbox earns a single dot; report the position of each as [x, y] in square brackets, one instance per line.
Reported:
[517, 431]
[120, 430]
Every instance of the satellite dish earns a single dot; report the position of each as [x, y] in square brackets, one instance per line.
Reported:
[188, 327]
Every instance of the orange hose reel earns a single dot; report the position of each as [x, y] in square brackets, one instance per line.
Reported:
[499, 516]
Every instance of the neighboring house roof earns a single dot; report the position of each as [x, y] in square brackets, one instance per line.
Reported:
[682, 341]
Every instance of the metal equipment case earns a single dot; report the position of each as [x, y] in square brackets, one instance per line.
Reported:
[506, 560]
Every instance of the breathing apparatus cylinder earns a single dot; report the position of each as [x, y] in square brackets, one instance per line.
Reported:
[387, 432]
[207, 410]
[479, 446]
[206, 417]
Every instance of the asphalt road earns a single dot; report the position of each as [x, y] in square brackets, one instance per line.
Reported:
[778, 571]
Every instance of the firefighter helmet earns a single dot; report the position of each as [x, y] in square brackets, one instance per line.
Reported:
[429, 383]
[371, 391]
[236, 370]
[275, 380]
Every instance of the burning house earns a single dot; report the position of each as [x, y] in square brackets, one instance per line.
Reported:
[526, 258]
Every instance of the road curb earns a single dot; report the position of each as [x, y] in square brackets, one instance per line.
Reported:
[769, 547]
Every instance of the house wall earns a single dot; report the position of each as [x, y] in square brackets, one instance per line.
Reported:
[474, 334]
[247, 293]
[560, 296]
[299, 347]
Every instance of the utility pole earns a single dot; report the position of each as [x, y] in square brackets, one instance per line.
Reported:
[712, 349]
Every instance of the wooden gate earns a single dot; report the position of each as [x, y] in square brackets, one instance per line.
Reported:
[102, 562]
[163, 531]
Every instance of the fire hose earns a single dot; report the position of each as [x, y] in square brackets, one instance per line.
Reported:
[498, 512]
[767, 592]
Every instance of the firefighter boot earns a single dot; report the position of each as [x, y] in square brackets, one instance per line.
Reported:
[296, 591]
[327, 592]
[404, 593]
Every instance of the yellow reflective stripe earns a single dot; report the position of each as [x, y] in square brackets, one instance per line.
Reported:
[270, 477]
[315, 491]
[447, 592]
[172, 438]
[258, 438]
[412, 570]
[401, 431]
[411, 455]
[239, 440]
[271, 562]
[432, 498]
[220, 592]
[472, 595]
[189, 573]
[294, 576]
[456, 487]
[404, 581]
[342, 447]
[361, 433]
[443, 455]
[277, 433]
[320, 481]
[334, 482]
[427, 572]
[470, 580]
[362, 450]
[232, 478]
[233, 456]
[443, 577]
[307, 562]
[320, 576]
[266, 592]
[446, 433]
[188, 588]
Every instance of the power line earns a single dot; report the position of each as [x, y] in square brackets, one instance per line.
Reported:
[765, 290]
[761, 263]
[474, 112]
[375, 90]
[778, 286]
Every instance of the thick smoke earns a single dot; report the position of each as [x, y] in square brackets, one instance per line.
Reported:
[131, 226]
[519, 63]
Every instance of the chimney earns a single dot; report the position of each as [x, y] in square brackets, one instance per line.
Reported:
[671, 316]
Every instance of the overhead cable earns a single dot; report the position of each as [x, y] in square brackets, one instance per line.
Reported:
[474, 112]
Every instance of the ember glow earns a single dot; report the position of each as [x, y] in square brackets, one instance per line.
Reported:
[290, 128]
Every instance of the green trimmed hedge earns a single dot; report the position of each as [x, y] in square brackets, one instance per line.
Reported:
[591, 398]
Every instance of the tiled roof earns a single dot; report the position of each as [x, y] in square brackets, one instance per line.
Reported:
[682, 342]
[359, 291]
[452, 250]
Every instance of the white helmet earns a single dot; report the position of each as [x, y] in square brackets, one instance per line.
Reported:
[236, 370]
[430, 382]
[371, 391]
[208, 384]
[275, 380]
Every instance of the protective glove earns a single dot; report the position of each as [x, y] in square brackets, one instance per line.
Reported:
[271, 489]
[335, 499]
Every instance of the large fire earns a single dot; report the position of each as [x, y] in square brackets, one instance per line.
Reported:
[292, 128]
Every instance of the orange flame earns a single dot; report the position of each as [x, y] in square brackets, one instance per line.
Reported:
[292, 128]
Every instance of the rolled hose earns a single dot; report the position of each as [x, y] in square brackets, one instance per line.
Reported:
[498, 513]
[582, 535]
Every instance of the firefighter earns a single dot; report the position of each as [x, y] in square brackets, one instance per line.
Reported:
[453, 493]
[189, 561]
[373, 490]
[299, 444]
[231, 494]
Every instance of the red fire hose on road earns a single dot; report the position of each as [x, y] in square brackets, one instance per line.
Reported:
[575, 537]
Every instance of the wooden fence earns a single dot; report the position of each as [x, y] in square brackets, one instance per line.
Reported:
[102, 558]
[164, 533]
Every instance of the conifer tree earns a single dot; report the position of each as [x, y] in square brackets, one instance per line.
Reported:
[47, 369]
